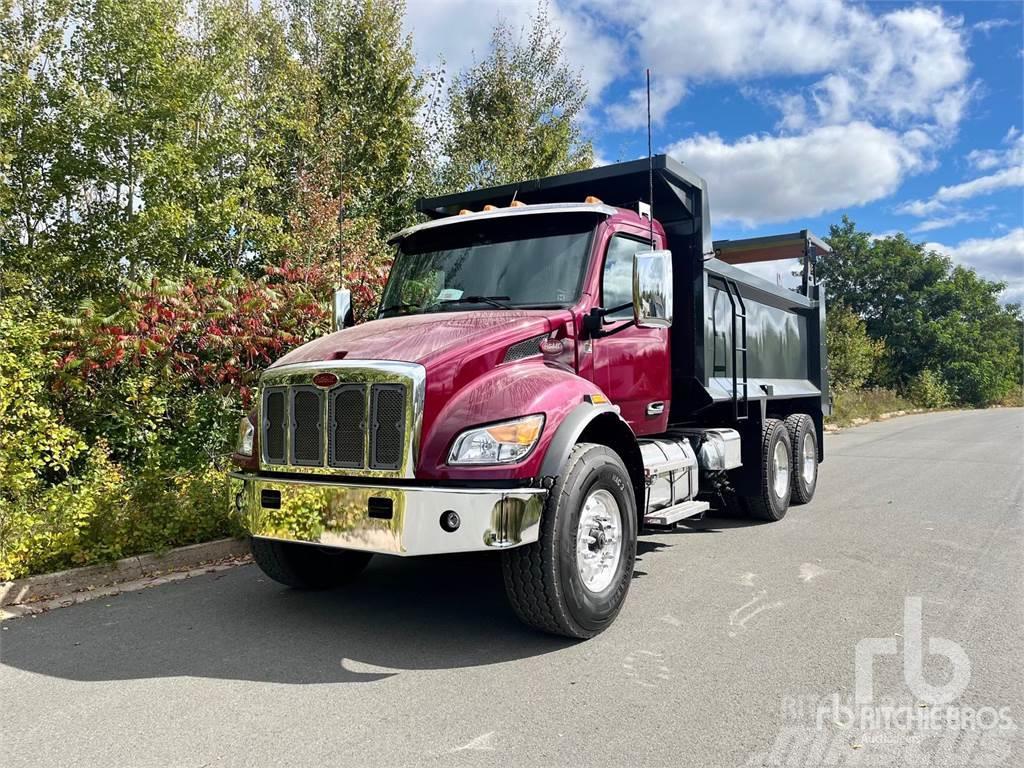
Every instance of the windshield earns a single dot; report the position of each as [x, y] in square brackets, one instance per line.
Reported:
[519, 261]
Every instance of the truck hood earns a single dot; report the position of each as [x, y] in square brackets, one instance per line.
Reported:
[424, 338]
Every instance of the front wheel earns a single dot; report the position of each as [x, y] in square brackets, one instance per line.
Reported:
[574, 579]
[307, 566]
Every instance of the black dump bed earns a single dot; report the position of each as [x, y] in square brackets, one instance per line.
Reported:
[739, 343]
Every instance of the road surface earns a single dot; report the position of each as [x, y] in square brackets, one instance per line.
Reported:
[733, 638]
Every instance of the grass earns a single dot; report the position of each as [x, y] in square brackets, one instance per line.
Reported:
[858, 405]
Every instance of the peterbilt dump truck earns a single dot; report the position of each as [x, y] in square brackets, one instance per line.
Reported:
[552, 370]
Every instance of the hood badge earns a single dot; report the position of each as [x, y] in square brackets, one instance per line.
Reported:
[325, 380]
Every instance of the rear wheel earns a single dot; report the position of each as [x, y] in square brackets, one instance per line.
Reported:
[574, 579]
[772, 502]
[804, 439]
[307, 566]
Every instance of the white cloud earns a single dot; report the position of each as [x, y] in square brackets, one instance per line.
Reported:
[921, 207]
[767, 178]
[951, 220]
[1009, 161]
[459, 33]
[997, 258]
[988, 25]
[665, 94]
[1010, 177]
[902, 65]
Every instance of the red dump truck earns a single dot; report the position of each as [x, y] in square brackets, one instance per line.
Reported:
[551, 371]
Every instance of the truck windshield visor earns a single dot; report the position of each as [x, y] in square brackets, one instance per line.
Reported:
[525, 261]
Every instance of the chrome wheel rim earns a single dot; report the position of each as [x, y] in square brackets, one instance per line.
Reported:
[599, 541]
[810, 459]
[780, 460]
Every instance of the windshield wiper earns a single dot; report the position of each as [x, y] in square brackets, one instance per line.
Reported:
[399, 305]
[494, 301]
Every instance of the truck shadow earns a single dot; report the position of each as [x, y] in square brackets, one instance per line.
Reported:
[423, 614]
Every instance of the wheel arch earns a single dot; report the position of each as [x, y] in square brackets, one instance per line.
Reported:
[600, 424]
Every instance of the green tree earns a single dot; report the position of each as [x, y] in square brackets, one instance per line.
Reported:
[931, 315]
[516, 114]
[364, 98]
[38, 107]
[852, 355]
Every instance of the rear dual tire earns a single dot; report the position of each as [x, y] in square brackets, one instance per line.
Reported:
[788, 469]
[803, 437]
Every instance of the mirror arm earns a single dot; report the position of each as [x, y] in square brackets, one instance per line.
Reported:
[594, 322]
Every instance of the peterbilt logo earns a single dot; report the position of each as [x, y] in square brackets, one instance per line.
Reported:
[325, 380]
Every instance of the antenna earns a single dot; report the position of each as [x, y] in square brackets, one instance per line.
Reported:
[650, 162]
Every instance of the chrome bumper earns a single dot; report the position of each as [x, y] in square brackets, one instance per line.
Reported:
[388, 519]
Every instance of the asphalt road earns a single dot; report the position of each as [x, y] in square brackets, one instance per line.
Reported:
[732, 637]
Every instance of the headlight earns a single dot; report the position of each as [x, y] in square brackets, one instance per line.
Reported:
[246, 433]
[497, 444]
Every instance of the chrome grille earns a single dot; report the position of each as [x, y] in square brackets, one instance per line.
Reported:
[274, 425]
[307, 426]
[368, 422]
[388, 426]
[347, 438]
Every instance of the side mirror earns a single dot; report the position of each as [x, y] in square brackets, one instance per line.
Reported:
[342, 315]
[652, 289]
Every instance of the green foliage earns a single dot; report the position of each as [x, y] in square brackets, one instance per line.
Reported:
[852, 355]
[363, 137]
[928, 390]
[931, 315]
[65, 502]
[515, 115]
[851, 406]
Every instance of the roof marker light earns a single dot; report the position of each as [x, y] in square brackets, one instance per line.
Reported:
[465, 212]
[490, 207]
[517, 204]
[590, 199]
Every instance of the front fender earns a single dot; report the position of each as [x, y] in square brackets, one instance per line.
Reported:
[508, 392]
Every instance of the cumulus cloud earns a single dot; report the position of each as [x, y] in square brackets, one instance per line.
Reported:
[906, 64]
[997, 258]
[902, 65]
[775, 178]
[1009, 162]
[459, 33]
[665, 94]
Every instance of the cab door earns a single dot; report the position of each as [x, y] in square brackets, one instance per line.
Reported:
[632, 365]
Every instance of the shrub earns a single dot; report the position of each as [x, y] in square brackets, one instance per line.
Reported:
[928, 390]
[852, 404]
[853, 356]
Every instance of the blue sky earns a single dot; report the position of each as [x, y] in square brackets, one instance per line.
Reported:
[905, 116]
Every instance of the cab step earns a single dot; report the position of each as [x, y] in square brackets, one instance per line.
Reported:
[672, 515]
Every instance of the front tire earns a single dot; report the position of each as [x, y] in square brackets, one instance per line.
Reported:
[804, 438]
[574, 579]
[307, 566]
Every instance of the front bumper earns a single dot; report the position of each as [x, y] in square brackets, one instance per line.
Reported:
[394, 520]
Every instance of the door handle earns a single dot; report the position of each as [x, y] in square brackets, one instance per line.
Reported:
[656, 408]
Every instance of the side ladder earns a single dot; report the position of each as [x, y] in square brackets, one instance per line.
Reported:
[740, 405]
